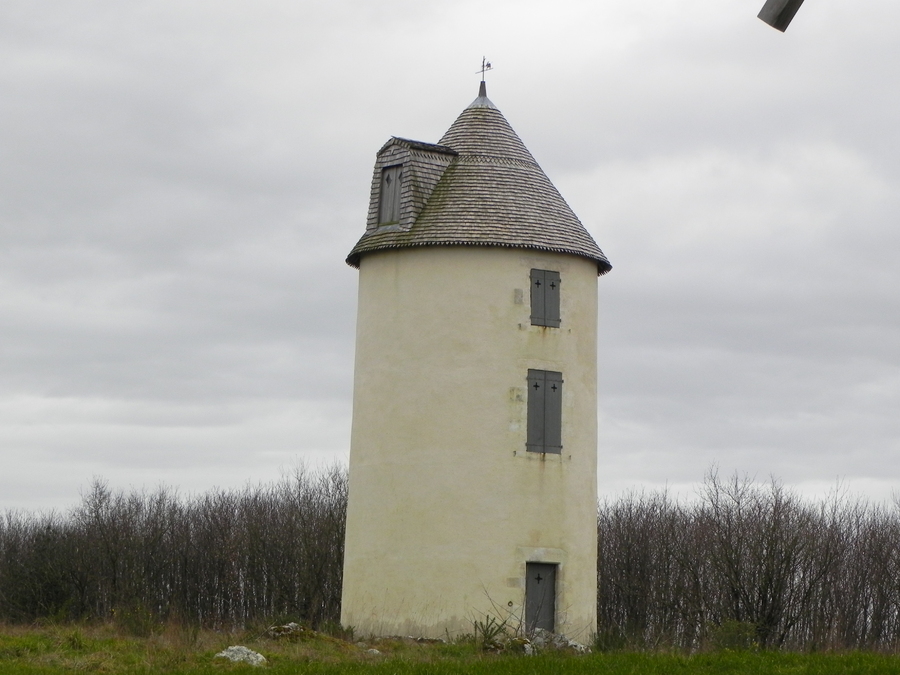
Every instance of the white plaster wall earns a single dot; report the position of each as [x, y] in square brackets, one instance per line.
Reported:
[446, 506]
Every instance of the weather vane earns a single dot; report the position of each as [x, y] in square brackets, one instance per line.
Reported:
[485, 66]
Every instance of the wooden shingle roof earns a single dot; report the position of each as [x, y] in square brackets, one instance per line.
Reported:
[480, 186]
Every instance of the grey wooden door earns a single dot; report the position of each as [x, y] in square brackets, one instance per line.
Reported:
[540, 597]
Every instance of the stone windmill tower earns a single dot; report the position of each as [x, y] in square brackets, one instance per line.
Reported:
[473, 461]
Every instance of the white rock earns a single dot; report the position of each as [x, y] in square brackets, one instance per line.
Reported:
[241, 654]
[544, 638]
[287, 630]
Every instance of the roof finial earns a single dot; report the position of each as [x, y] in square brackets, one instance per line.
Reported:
[485, 66]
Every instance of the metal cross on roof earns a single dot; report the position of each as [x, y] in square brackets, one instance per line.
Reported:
[778, 13]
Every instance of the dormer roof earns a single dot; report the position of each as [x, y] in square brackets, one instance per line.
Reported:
[479, 186]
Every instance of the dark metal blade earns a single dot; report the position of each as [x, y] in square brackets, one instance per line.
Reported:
[778, 13]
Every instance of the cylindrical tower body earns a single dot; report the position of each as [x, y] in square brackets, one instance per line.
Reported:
[474, 444]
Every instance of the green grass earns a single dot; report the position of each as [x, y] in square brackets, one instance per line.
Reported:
[105, 649]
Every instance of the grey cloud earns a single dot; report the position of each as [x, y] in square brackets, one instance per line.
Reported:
[179, 185]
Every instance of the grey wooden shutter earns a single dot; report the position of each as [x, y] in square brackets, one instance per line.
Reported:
[551, 298]
[544, 432]
[538, 284]
[553, 412]
[545, 298]
[389, 198]
[535, 439]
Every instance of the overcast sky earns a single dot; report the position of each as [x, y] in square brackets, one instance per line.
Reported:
[181, 181]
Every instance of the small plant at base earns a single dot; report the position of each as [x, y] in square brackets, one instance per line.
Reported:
[336, 630]
[488, 634]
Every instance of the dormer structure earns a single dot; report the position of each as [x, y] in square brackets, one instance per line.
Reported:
[406, 173]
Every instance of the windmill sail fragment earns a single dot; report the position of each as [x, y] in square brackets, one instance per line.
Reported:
[779, 13]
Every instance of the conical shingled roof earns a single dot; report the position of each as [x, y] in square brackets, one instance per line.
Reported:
[492, 194]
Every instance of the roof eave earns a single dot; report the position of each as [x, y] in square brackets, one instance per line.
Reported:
[353, 260]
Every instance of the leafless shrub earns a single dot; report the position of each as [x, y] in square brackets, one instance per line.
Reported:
[222, 559]
[746, 565]
[748, 556]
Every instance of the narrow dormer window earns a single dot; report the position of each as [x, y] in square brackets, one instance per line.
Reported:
[389, 198]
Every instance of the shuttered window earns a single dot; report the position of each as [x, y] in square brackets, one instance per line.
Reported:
[545, 298]
[389, 197]
[544, 411]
